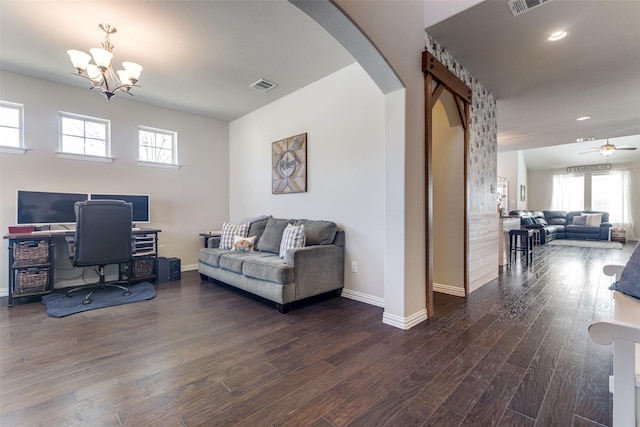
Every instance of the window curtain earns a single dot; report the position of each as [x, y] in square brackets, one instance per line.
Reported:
[567, 193]
[612, 194]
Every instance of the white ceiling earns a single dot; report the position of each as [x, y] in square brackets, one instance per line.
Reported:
[201, 57]
[198, 56]
[543, 87]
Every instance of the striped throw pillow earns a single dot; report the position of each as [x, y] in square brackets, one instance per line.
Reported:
[292, 237]
[229, 231]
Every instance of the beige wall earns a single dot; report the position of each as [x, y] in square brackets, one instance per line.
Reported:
[448, 197]
[184, 202]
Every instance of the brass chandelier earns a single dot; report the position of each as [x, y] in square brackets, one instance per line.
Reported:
[100, 71]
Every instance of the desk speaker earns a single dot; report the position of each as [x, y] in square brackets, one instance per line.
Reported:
[168, 269]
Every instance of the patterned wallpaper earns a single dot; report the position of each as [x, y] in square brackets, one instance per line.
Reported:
[483, 137]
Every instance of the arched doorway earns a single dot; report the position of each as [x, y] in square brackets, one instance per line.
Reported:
[447, 101]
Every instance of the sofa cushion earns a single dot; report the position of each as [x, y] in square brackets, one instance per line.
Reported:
[272, 235]
[573, 229]
[256, 227]
[541, 221]
[211, 256]
[229, 231]
[556, 217]
[579, 220]
[270, 268]
[233, 261]
[292, 237]
[318, 232]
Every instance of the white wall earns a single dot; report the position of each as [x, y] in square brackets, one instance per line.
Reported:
[508, 168]
[184, 202]
[343, 116]
[522, 181]
[396, 28]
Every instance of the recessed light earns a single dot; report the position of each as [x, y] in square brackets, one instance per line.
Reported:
[558, 35]
[590, 138]
[580, 119]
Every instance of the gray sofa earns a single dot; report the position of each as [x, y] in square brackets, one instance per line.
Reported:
[563, 225]
[314, 269]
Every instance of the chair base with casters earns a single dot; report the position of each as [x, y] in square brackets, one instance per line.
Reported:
[100, 285]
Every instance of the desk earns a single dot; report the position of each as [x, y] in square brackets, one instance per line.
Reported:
[31, 260]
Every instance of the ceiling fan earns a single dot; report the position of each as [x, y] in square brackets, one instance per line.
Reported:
[608, 149]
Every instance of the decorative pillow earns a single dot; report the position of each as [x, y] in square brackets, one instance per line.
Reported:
[244, 244]
[292, 237]
[272, 235]
[629, 283]
[229, 231]
[594, 220]
[580, 220]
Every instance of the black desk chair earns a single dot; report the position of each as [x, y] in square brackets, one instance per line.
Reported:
[103, 237]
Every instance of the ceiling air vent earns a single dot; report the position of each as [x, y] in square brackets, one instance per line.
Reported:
[263, 85]
[519, 7]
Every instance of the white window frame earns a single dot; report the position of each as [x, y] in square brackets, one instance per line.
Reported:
[174, 147]
[20, 148]
[78, 156]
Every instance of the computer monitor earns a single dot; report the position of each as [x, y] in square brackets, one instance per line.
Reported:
[140, 202]
[44, 207]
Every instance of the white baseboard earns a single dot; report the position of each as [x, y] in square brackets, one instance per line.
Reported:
[189, 267]
[449, 290]
[361, 297]
[404, 322]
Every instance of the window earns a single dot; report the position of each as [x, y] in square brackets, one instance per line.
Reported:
[11, 125]
[157, 146]
[612, 193]
[568, 192]
[85, 136]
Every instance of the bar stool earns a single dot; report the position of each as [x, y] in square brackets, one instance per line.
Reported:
[521, 240]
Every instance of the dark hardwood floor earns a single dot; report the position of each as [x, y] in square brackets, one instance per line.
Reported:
[515, 353]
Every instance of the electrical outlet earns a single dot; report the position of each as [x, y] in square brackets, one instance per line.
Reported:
[354, 266]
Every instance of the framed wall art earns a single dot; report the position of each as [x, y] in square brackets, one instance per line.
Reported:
[523, 193]
[289, 165]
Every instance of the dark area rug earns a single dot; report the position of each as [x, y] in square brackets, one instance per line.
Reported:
[59, 305]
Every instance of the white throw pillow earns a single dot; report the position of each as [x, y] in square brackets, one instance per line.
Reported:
[594, 220]
[292, 237]
[244, 244]
[229, 231]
